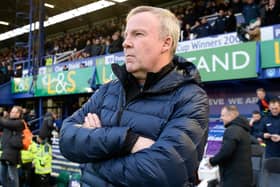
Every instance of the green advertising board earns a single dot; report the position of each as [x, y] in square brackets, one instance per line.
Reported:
[64, 82]
[270, 53]
[225, 63]
[104, 72]
[21, 85]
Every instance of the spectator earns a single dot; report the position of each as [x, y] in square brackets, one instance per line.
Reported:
[3, 72]
[11, 146]
[201, 28]
[219, 25]
[43, 165]
[116, 45]
[189, 17]
[55, 47]
[18, 72]
[186, 32]
[96, 47]
[198, 9]
[254, 31]
[10, 72]
[87, 50]
[194, 31]
[255, 124]
[25, 114]
[106, 47]
[236, 6]
[5, 114]
[48, 126]
[272, 12]
[210, 7]
[251, 11]
[33, 123]
[263, 101]
[271, 129]
[149, 127]
[234, 157]
[65, 68]
[230, 21]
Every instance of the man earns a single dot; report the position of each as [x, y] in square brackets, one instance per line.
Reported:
[234, 157]
[48, 126]
[263, 101]
[43, 165]
[11, 146]
[271, 129]
[149, 127]
[250, 11]
[43, 158]
[202, 28]
[219, 25]
[255, 124]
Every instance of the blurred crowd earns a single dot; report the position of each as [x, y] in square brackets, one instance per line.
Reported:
[28, 165]
[198, 19]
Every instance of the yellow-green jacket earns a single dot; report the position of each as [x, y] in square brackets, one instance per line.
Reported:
[28, 155]
[43, 159]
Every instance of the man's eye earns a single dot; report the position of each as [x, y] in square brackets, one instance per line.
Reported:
[139, 34]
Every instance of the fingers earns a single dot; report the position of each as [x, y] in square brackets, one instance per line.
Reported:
[96, 120]
[86, 123]
[92, 121]
[275, 138]
[142, 143]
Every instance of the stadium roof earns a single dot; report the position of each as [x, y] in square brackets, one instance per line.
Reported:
[16, 13]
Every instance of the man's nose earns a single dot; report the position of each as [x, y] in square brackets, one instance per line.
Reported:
[127, 43]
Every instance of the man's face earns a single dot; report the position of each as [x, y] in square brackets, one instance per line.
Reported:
[54, 115]
[14, 114]
[142, 44]
[260, 94]
[256, 117]
[274, 108]
[226, 117]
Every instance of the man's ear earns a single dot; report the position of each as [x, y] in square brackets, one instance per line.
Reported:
[167, 44]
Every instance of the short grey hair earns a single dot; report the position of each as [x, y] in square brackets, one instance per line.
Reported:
[232, 109]
[168, 22]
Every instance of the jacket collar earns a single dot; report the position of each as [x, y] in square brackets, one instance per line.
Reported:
[130, 84]
[240, 121]
[170, 77]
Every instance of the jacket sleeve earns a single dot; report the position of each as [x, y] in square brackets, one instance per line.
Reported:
[172, 157]
[263, 127]
[84, 145]
[230, 140]
[14, 125]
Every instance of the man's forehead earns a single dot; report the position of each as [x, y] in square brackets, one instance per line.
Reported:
[14, 109]
[145, 18]
[274, 104]
[134, 29]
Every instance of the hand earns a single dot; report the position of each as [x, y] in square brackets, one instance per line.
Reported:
[275, 137]
[266, 135]
[251, 122]
[92, 121]
[260, 140]
[142, 143]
